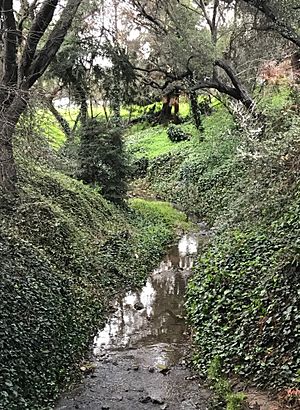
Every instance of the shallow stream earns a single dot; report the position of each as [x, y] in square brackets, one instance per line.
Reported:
[140, 352]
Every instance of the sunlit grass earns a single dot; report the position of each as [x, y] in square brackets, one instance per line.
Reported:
[153, 142]
[158, 210]
[147, 141]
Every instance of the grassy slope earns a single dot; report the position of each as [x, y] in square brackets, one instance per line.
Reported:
[243, 300]
[174, 168]
[64, 252]
[56, 137]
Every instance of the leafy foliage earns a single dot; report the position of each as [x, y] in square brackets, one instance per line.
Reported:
[65, 252]
[139, 168]
[102, 159]
[242, 301]
[225, 397]
[176, 134]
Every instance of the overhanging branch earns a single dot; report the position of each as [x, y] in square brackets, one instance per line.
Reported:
[280, 25]
[55, 39]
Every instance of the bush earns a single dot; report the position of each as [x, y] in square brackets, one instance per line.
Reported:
[139, 168]
[176, 134]
[102, 160]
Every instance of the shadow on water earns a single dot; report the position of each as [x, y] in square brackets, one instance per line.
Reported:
[155, 314]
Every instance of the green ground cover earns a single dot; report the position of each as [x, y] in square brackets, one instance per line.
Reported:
[65, 253]
[243, 300]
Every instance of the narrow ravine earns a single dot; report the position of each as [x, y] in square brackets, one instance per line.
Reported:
[140, 353]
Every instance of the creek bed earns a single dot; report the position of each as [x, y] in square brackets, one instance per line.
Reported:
[139, 355]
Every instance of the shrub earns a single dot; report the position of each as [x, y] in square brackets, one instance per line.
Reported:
[176, 134]
[102, 160]
[139, 168]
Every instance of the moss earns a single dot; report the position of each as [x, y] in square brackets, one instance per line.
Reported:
[154, 211]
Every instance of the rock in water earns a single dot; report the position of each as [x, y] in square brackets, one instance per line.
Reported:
[138, 306]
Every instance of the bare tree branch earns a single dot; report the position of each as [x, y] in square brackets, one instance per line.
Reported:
[154, 20]
[55, 39]
[281, 26]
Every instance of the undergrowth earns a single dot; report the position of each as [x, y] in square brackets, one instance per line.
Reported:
[243, 301]
[225, 397]
[65, 252]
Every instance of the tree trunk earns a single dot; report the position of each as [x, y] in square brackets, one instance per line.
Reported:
[8, 122]
[241, 92]
[105, 112]
[19, 75]
[115, 101]
[64, 125]
[166, 111]
[83, 114]
[8, 173]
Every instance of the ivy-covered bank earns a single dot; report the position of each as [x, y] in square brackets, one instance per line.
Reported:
[65, 252]
[243, 301]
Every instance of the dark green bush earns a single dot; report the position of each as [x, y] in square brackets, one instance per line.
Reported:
[139, 168]
[102, 160]
[176, 134]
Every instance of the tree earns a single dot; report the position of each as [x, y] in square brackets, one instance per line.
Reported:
[102, 159]
[24, 62]
[282, 16]
[189, 46]
[74, 65]
[117, 80]
[73, 68]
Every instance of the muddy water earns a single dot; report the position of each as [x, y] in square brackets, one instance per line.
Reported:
[139, 354]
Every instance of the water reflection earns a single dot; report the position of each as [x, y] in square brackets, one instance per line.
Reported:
[154, 314]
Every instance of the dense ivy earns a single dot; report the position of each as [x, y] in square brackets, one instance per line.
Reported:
[139, 167]
[46, 323]
[244, 303]
[65, 252]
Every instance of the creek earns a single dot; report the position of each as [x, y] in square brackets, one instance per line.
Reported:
[140, 354]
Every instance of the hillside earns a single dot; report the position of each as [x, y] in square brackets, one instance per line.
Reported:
[149, 204]
[243, 301]
[65, 253]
